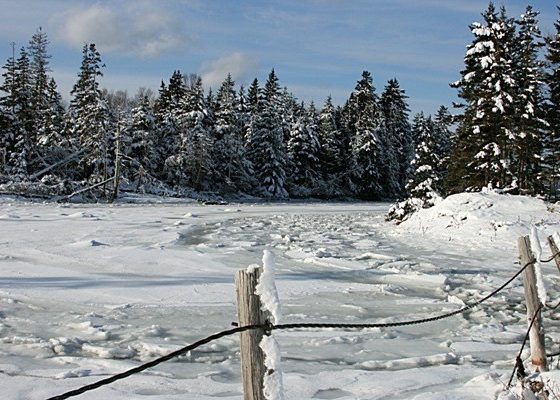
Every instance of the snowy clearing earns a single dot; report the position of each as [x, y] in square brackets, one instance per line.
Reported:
[88, 291]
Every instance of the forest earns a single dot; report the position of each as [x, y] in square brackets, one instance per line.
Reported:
[260, 141]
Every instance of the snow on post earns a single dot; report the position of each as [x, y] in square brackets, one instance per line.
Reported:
[266, 290]
[537, 252]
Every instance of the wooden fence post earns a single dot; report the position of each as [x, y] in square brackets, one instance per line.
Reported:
[554, 248]
[249, 313]
[536, 335]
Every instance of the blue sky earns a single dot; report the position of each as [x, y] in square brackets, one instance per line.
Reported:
[317, 47]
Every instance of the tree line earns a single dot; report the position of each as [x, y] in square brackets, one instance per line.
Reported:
[257, 141]
[262, 141]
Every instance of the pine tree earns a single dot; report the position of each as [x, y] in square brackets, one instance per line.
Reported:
[139, 141]
[529, 104]
[167, 110]
[194, 165]
[90, 118]
[552, 139]
[303, 150]
[19, 116]
[483, 152]
[331, 150]
[443, 141]
[40, 85]
[8, 122]
[52, 142]
[367, 147]
[229, 151]
[266, 151]
[423, 186]
[424, 182]
[400, 146]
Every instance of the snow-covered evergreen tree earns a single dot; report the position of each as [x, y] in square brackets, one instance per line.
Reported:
[52, 141]
[482, 155]
[443, 139]
[194, 164]
[39, 61]
[8, 119]
[400, 147]
[367, 147]
[267, 151]
[90, 125]
[18, 117]
[229, 149]
[167, 138]
[423, 187]
[529, 104]
[331, 147]
[551, 140]
[303, 151]
[139, 142]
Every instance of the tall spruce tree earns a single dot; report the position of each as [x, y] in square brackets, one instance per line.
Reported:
[443, 142]
[529, 105]
[90, 125]
[424, 184]
[194, 161]
[139, 142]
[52, 142]
[331, 151]
[229, 151]
[20, 154]
[267, 150]
[303, 150]
[400, 146]
[551, 140]
[367, 146]
[8, 119]
[482, 155]
[39, 61]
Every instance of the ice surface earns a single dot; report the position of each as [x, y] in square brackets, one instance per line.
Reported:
[72, 313]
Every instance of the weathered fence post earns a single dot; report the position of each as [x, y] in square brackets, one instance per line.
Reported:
[554, 248]
[249, 313]
[536, 335]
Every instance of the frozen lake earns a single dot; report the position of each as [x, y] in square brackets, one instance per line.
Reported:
[88, 291]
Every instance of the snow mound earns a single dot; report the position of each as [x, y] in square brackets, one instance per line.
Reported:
[485, 217]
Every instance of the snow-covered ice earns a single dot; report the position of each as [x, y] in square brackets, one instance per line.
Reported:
[87, 291]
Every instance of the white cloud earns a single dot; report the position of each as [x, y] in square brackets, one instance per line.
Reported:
[239, 65]
[137, 29]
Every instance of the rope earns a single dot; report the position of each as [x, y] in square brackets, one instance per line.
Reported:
[155, 362]
[268, 327]
[518, 362]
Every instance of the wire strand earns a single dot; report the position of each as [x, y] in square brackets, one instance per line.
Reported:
[268, 327]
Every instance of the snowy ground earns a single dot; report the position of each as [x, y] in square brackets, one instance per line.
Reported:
[88, 291]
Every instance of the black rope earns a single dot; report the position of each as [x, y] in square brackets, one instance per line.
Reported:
[518, 362]
[267, 328]
[155, 362]
[550, 258]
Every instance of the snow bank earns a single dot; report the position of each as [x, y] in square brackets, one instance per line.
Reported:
[486, 218]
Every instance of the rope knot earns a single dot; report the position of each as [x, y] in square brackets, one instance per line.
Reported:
[268, 327]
